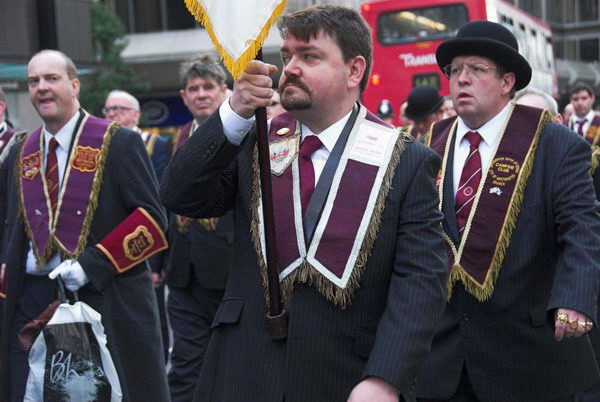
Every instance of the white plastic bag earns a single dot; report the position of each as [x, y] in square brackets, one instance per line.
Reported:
[69, 360]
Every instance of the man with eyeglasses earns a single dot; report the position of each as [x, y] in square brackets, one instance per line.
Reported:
[521, 227]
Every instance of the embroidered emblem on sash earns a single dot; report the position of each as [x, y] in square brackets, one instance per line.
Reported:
[137, 243]
[504, 170]
[86, 159]
[282, 153]
[30, 165]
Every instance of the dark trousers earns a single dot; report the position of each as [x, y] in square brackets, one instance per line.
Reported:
[36, 295]
[164, 324]
[191, 312]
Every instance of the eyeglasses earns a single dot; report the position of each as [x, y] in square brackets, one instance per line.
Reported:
[478, 70]
[107, 109]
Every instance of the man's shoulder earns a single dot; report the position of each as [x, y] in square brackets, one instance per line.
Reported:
[559, 136]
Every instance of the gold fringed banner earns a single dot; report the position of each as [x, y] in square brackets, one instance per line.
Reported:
[235, 65]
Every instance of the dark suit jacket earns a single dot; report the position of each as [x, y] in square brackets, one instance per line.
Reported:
[385, 332]
[207, 253]
[161, 154]
[126, 302]
[553, 260]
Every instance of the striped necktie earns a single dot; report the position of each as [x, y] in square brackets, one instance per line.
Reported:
[580, 129]
[52, 173]
[469, 181]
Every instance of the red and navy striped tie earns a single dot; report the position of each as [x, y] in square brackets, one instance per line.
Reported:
[469, 181]
[52, 173]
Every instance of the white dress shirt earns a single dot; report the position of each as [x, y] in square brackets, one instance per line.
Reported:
[575, 121]
[236, 127]
[63, 137]
[490, 134]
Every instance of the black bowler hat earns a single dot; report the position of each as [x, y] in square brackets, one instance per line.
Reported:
[487, 39]
[423, 101]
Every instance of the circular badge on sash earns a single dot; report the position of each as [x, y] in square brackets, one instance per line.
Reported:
[504, 170]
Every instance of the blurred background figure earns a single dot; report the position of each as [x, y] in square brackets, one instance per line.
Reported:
[275, 107]
[404, 121]
[424, 108]
[584, 121]
[6, 130]
[567, 113]
[536, 98]
[385, 112]
[448, 107]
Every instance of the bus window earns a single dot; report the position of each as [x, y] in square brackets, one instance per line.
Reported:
[429, 23]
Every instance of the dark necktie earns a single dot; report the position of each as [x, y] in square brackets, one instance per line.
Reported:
[52, 174]
[580, 129]
[469, 181]
[307, 171]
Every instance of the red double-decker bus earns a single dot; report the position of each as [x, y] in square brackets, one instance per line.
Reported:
[406, 34]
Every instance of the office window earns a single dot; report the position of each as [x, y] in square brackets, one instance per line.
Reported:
[153, 15]
[589, 49]
[561, 11]
[533, 7]
[588, 10]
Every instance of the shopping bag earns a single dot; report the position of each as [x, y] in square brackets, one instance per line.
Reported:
[69, 360]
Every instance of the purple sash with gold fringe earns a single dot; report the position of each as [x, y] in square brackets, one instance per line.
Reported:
[347, 228]
[67, 231]
[477, 259]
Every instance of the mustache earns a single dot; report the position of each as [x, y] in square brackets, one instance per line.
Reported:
[293, 79]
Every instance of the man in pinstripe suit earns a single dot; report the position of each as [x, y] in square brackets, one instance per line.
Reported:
[358, 330]
[522, 229]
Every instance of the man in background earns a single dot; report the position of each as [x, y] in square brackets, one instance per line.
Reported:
[536, 98]
[424, 108]
[584, 121]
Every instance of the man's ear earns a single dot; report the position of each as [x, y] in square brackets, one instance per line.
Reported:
[356, 70]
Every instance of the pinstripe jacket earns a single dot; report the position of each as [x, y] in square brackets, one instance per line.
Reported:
[553, 260]
[386, 331]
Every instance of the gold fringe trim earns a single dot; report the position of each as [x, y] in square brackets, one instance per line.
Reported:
[306, 273]
[595, 161]
[484, 292]
[236, 68]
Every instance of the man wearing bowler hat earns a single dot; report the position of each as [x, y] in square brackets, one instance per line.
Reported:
[424, 108]
[521, 229]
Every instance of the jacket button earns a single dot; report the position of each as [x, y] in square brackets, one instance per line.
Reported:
[466, 317]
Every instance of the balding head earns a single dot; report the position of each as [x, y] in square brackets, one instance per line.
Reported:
[536, 98]
[123, 107]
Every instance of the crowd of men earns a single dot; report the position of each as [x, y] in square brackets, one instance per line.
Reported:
[454, 258]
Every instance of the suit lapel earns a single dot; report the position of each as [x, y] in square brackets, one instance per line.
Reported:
[450, 225]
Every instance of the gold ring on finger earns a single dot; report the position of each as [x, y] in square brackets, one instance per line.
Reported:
[573, 324]
[562, 317]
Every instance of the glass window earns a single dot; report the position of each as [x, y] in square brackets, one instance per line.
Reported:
[420, 24]
[533, 7]
[589, 49]
[122, 11]
[178, 16]
[147, 15]
[588, 10]
[561, 11]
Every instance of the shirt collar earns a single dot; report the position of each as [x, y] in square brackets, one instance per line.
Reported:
[3, 128]
[64, 135]
[330, 135]
[489, 132]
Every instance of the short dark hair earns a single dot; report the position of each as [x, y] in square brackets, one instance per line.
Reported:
[344, 25]
[582, 86]
[202, 67]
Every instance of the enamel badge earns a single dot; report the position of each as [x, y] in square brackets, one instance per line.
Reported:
[282, 153]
